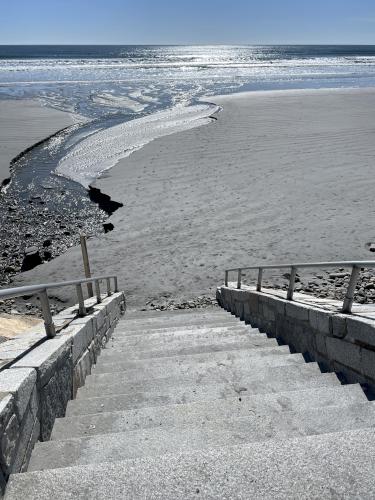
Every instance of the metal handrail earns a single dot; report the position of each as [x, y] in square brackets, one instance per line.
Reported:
[356, 266]
[41, 291]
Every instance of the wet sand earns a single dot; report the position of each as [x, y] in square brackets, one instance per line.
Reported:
[24, 123]
[279, 176]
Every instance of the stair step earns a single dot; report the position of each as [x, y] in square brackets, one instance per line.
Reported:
[202, 435]
[178, 363]
[278, 379]
[186, 334]
[339, 465]
[152, 380]
[136, 326]
[205, 311]
[188, 313]
[168, 320]
[117, 350]
[180, 415]
[158, 344]
[230, 344]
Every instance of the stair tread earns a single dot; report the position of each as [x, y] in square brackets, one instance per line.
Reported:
[187, 334]
[306, 467]
[177, 363]
[143, 344]
[202, 435]
[252, 342]
[112, 360]
[249, 369]
[186, 394]
[132, 327]
[202, 376]
[273, 403]
[118, 350]
[203, 313]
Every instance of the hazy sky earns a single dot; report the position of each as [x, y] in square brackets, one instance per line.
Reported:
[186, 21]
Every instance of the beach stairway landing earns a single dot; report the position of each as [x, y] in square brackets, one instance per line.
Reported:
[189, 404]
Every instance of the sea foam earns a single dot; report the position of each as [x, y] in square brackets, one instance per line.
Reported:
[100, 151]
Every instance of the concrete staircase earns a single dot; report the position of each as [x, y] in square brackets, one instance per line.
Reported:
[189, 404]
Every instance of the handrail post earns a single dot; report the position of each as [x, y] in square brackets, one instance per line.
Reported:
[97, 290]
[226, 278]
[108, 287]
[349, 296]
[260, 276]
[292, 282]
[81, 302]
[86, 263]
[239, 279]
[116, 284]
[47, 316]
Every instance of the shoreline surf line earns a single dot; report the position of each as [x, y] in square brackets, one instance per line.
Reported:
[99, 152]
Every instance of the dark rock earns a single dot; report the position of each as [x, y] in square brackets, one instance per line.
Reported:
[103, 200]
[47, 243]
[47, 255]
[338, 275]
[32, 259]
[108, 227]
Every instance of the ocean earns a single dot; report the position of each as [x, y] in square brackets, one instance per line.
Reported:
[111, 85]
[96, 80]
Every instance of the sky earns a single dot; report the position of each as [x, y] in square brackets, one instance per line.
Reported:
[187, 22]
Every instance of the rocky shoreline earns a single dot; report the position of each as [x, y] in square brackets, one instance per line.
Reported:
[40, 219]
[33, 234]
[330, 285]
[334, 284]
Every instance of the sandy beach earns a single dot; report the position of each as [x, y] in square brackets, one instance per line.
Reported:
[279, 176]
[24, 123]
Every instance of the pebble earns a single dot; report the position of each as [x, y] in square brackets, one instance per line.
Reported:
[338, 275]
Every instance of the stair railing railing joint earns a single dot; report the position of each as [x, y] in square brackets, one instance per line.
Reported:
[41, 291]
[355, 266]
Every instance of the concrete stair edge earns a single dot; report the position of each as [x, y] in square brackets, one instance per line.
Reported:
[121, 365]
[163, 440]
[230, 407]
[308, 467]
[283, 366]
[119, 402]
[204, 372]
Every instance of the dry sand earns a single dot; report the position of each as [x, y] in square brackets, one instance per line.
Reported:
[12, 325]
[24, 123]
[279, 176]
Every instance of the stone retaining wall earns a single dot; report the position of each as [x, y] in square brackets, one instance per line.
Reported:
[36, 389]
[339, 342]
